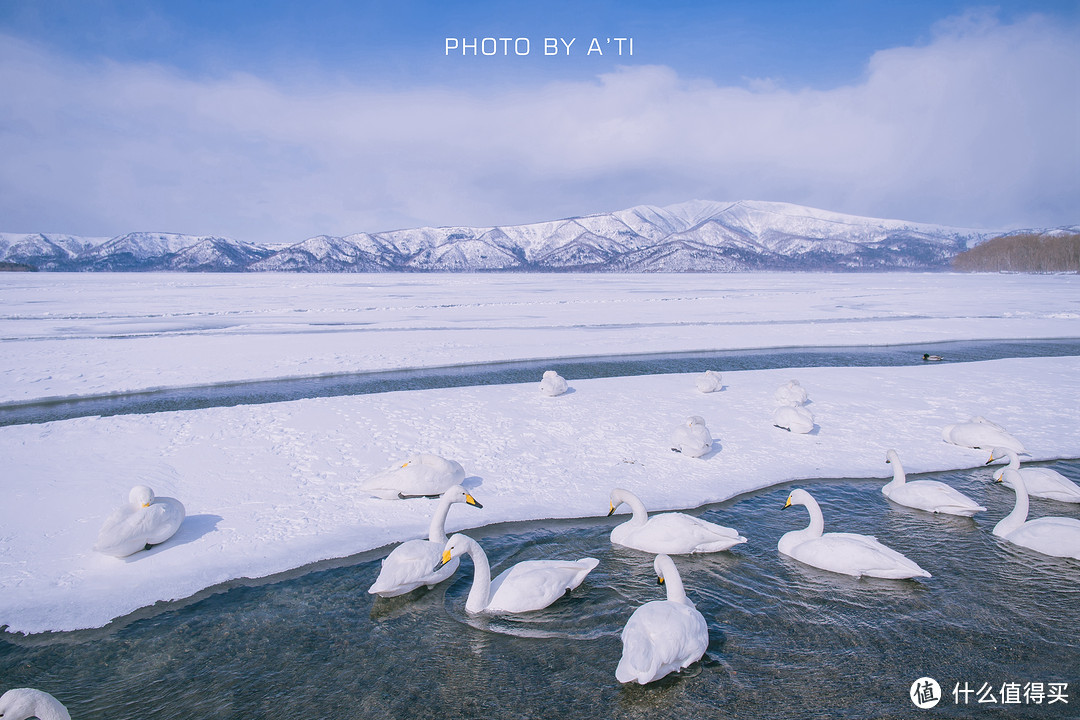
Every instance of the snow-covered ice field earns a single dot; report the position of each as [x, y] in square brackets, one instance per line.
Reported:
[269, 488]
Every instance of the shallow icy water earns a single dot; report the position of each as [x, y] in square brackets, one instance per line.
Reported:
[786, 641]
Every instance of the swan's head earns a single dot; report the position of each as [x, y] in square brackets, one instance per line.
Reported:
[999, 453]
[459, 494]
[695, 420]
[798, 496]
[892, 457]
[618, 497]
[140, 495]
[456, 546]
[1015, 479]
[550, 374]
[664, 566]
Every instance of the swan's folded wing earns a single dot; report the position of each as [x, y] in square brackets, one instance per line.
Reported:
[535, 584]
[857, 555]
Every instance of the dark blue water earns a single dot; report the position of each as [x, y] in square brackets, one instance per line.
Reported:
[268, 391]
[786, 640]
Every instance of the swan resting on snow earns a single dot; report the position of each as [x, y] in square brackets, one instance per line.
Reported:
[552, 383]
[793, 418]
[668, 533]
[528, 585]
[409, 565]
[23, 703]
[791, 393]
[662, 636]
[421, 475]
[692, 437]
[847, 553]
[978, 432]
[929, 495]
[1054, 536]
[709, 381]
[1040, 482]
[144, 521]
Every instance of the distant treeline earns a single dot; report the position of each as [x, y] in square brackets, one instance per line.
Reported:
[1022, 253]
[16, 267]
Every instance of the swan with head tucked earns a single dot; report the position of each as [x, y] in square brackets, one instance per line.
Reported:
[709, 381]
[670, 533]
[409, 565]
[1054, 536]
[929, 495]
[1039, 481]
[692, 437]
[144, 521]
[528, 585]
[23, 703]
[847, 553]
[421, 475]
[793, 418]
[791, 393]
[552, 384]
[978, 432]
[662, 636]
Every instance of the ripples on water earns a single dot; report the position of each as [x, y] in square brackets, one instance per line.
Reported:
[786, 640]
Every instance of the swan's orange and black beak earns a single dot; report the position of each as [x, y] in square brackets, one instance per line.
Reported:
[787, 504]
[445, 559]
[470, 500]
[611, 511]
[659, 579]
[992, 459]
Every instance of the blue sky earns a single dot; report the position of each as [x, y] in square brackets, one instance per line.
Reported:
[274, 121]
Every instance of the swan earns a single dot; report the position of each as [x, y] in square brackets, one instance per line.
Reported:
[528, 585]
[662, 636]
[791, 393]
[1055, 536]
[1040, 482]
[552, 383]
[421, 475]
[793, 418]
[929, 495]
[409, 565]
[23, 703]
[692, 437]
[979, 432]
[709, 381]
[846, 553]
[144, 521]
[671, 533]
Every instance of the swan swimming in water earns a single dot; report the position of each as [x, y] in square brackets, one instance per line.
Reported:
[929, 495]
[23, 703]
[552, 383]
[709, 381]
[791, 393]
[409, 565]
[528, 585]
[421, 475]
[144, 521]
[847, 553]
[1054, 536]
[1040, 482]
[692, 437]
[978, 432]
[662, 636]
[793, 418]
[671, 533]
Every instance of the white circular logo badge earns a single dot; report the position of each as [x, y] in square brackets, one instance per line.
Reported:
[925, 693]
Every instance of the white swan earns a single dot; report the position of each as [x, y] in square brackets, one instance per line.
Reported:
[929, 495]
[145, 520]
[528, 585]
[23, 703]
[1040, 482]
[670, 533]
[552, 383]
[979, 432]
[793, 418]
[846, 553]
[692, 437]
[422, 475]
[662, 636]
[409, 565]
[1055, 536]
[709, 381]
[791, 393]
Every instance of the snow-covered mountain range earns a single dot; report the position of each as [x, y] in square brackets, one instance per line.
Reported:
[691, 236]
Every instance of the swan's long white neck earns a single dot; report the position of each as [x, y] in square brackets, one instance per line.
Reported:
[899, 477]
[1019, 513]
[817, 520]
[437, 528]
[1014, 459]
[641, 515]
[676, 592]
[480, 592]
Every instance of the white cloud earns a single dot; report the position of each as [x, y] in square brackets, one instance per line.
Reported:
[978, 127]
